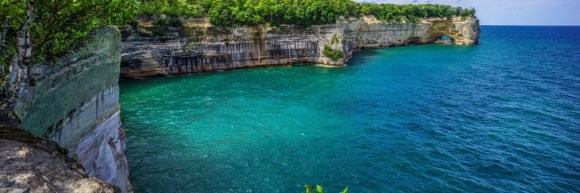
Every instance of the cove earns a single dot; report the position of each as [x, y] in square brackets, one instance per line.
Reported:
[499, 117]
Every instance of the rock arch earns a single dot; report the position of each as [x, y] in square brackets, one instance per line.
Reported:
[443, 39]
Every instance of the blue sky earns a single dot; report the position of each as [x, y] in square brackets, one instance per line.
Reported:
[513, 12]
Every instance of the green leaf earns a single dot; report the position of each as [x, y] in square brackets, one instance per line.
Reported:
[309, 188]
[319, 189]
[345, 190]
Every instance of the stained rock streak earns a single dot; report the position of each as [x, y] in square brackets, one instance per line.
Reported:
[200, 47]
[75, 102]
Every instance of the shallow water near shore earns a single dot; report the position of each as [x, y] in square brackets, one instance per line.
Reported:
[503, 116]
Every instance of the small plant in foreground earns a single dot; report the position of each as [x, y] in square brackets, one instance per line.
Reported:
[310, 189]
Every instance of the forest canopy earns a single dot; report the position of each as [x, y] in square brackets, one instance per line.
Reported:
[50, 28]
[295, 12]
[41, 30]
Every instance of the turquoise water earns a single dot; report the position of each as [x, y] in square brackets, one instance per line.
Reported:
[503, 116]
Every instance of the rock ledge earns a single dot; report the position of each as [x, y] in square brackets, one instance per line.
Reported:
[30, 164]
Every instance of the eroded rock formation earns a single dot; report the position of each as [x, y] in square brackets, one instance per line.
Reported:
[75, 102]
[198, 46]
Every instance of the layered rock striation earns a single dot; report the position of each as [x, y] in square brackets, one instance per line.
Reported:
[75, 102]
[197, 46]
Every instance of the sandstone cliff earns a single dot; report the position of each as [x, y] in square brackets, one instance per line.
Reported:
[198, 46]
[75, 102]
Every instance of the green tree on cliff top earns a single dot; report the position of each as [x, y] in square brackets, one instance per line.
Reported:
[54, 26]
[295, 12]
[40, 30]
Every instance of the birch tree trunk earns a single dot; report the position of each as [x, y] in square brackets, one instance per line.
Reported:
[4, 33]
[24, 44]
[18, 68]
[3, 45]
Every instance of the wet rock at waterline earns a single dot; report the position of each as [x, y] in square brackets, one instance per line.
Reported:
[198, 46]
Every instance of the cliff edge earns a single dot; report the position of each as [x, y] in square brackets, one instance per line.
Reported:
[197, 46]
[35, 165]
[75, 102]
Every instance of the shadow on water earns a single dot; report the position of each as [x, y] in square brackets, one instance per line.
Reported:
[189, 172]
[362, 56]
[368, 56]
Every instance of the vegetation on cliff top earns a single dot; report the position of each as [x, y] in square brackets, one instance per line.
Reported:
[295, 12]
[332, 53]
[318, 189]
[47, 29]
[40, 30]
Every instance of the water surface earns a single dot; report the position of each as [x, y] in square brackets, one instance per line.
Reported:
[503, 116]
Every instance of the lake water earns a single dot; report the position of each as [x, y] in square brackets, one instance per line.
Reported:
[503, 116]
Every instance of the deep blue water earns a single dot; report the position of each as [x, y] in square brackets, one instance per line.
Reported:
[503, 116]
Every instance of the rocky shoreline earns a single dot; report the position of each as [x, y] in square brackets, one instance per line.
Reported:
[197, 46]
[75, 101]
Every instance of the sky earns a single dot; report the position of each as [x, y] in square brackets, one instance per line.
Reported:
[513, 12]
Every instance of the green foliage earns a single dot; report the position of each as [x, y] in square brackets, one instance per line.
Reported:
[277, 12]
[319, 189]
[173, 22]
[64, 24]
[412, 13]
[334, 39]
[58, 26]
[310, 189]
[295, 12]
[345, 190]
[332, 53]
[11, 17]
[174, 8]
[161, 26]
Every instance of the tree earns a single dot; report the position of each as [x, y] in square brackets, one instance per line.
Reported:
[36, 31]
[294, 12]
[21, 17]
[220, 13]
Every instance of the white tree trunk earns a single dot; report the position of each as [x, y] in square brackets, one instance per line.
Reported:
[23, 42]
[4, 33]
[3, 45]
[18, 67]
[24, 51]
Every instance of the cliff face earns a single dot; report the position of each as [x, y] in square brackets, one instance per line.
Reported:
[200, 47]
[75, 102]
